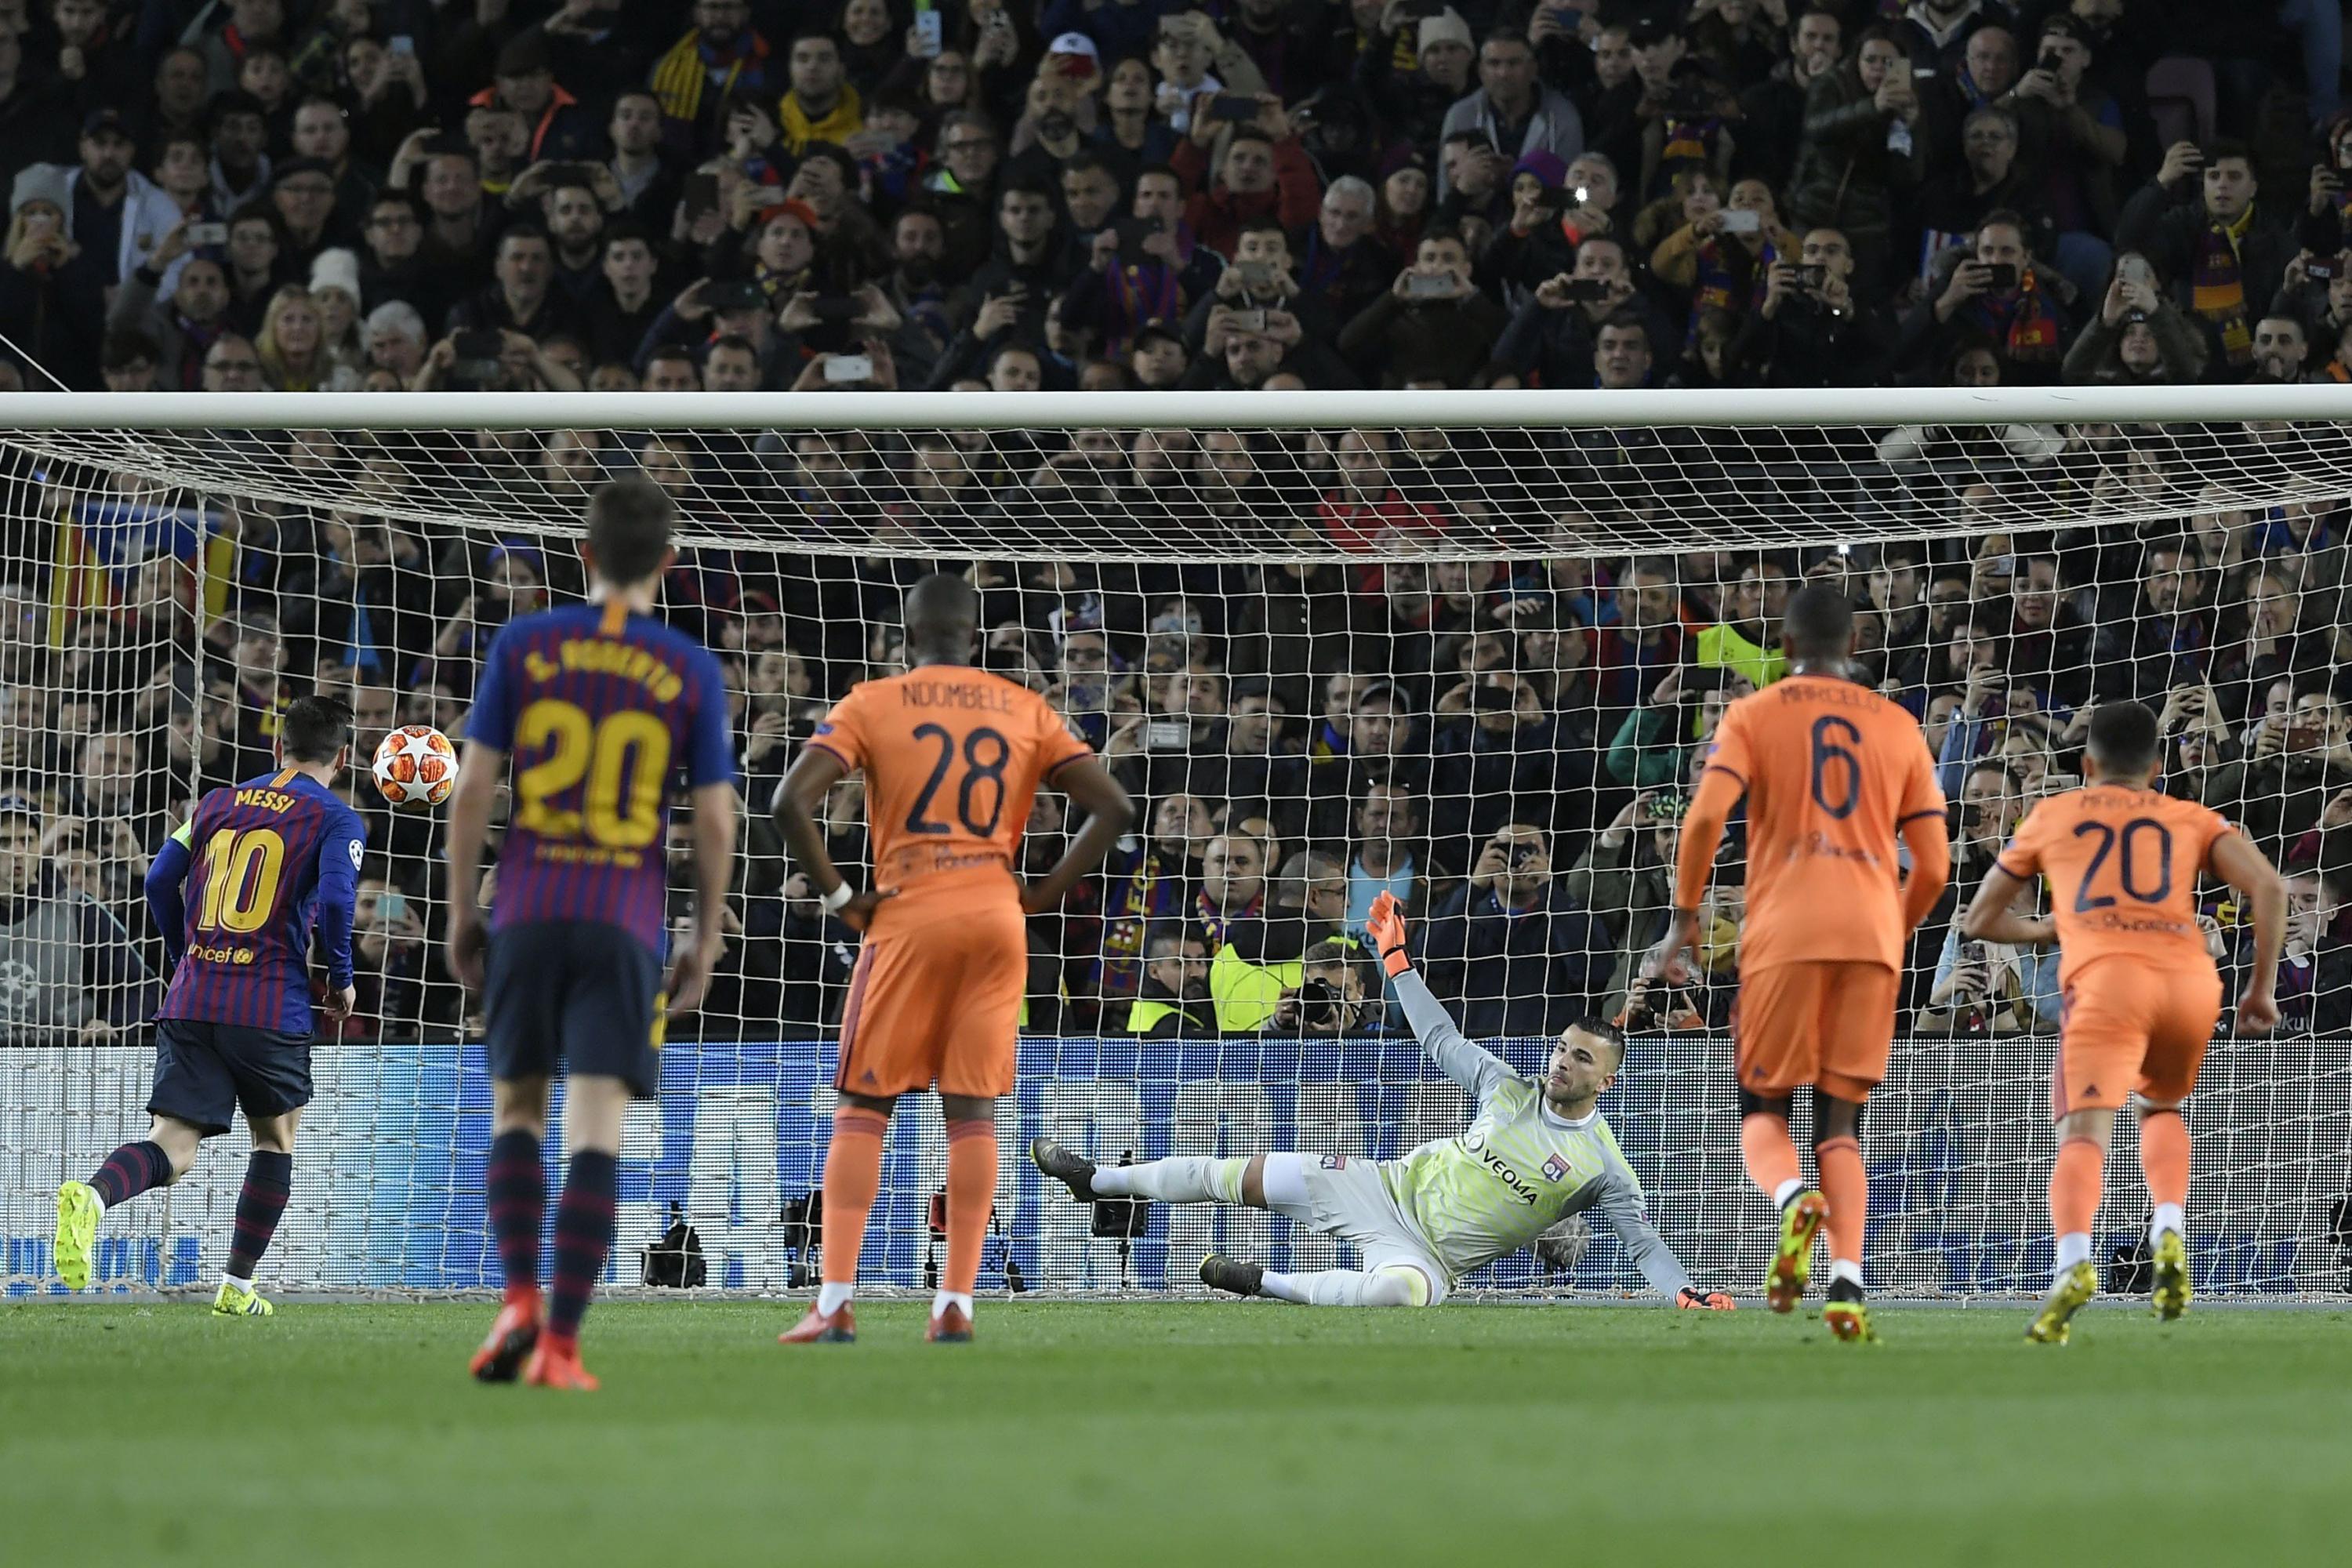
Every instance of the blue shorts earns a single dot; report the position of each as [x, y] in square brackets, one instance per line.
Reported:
[579, 993]
[204, 1072]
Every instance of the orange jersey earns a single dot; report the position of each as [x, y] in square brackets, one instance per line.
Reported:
[953, 758]
[1833, 770]
[2122, 866]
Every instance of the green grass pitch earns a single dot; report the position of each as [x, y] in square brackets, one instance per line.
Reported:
[1120, 1434]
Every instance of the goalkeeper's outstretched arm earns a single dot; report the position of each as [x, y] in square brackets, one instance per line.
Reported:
[1478, 1071]
[1628, 1213]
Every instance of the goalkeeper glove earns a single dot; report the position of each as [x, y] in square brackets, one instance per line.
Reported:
[1692, 1300]
[1385, 926]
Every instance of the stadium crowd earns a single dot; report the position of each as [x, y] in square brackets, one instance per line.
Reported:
[498, 195]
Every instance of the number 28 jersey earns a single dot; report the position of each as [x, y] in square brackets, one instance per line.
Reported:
[953, 758]
[2122, 866]
[1833, 770]
[599, 710]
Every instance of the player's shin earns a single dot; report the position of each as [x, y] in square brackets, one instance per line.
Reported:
[853, 1179]
[1347, 1288]
[129, 1171]
[1846, 1183]
[1185, 1179]
[2164, 1161]
[516, 1188]
[971, 1191]
[2075, 1184]
[1770, 1155]
[584, 1219]
[268, 1180]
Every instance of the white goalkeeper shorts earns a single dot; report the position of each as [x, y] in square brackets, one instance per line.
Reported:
[1344, 1197]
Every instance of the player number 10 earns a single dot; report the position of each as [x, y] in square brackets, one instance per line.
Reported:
[241, 877]
[624, 757]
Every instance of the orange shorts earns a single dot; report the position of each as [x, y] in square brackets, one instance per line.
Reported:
[937, 996]
[1822, 1023]
[2127, 1027]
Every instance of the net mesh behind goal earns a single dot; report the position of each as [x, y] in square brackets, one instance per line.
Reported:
[1474, 664]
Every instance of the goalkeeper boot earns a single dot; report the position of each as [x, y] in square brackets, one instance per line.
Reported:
[77, 1212]
[1065, 1165]
[2170, 1295]
[949, 1326]
[555, 1363]
[2073, 1292]
[837, 1328]
[1847, 1315]
[1792, 1262]
[233, 1301]
[513, 1335]
[1232, 1276]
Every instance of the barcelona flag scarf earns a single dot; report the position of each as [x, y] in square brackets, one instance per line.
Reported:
[2218, 285]
[2022, 326]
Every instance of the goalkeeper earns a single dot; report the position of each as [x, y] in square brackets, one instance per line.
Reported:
[1536, 1153]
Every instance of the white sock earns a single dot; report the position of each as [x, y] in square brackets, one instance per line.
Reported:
[941, 1301]
[243, 1285]
[1341, 1288]
[1786, 1190]
[1186, 1179]
[832, 1298]
[2072, 1248]
[2169, 1216]
[1846, 1268]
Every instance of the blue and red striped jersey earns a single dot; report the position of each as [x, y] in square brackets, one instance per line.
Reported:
[599, 710]
[264, 862]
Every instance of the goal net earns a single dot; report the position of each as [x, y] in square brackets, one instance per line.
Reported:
[1465, 648]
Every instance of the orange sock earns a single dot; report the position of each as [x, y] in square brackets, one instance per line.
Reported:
[1770, 1152]
[971, 1190]
[2074, 1183]
[852, 1178]
[2164, 1157]
[1847, 1186]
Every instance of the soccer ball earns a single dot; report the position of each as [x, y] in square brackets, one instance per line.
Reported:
[416, 767]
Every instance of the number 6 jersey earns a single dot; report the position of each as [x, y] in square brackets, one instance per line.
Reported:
[953, 758]
[600, 709]
[1833, 770]
[263, 862]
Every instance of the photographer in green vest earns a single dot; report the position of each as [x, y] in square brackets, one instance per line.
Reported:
[1262, 960]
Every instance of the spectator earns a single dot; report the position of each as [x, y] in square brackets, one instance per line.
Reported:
[1153, 881]
[1860, 147]
[50, 284]
[2137, 337]
[2165, 636]
[1511, 947]
[1264, 173]
[2315, 975]
[1625, 879]
[2222, 251]
[1174, 1002]
[47, 999]
[1513, 112]
[1233, 887]
[1432, 323]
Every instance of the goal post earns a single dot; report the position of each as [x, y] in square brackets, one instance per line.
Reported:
[1465, 645]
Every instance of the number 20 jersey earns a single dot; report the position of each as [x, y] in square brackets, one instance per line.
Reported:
[2122, 866]
[599, 711]
[1833, 770]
